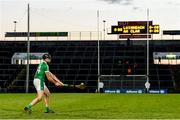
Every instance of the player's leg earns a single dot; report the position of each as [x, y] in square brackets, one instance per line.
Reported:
[46, 96]
[39, 85]
[39, 97]
[40, 94]
[46, 100]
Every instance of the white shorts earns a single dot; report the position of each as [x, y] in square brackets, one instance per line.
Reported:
[39, 85]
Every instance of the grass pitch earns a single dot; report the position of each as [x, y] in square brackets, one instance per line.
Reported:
[93, 106]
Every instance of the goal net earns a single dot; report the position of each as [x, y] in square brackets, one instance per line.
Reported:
[123, 83]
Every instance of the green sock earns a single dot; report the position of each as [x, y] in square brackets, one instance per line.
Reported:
[29, 106]
[46, 109]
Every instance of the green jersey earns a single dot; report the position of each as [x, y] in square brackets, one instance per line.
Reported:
[40, 73]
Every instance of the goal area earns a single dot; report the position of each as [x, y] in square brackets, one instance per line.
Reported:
[123, 83]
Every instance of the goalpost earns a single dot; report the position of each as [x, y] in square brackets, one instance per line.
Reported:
[123, 83]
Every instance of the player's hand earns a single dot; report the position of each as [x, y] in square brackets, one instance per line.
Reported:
[62, 84]
[57, 84]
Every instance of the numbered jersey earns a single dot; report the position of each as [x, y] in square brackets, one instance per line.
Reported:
[40, 73]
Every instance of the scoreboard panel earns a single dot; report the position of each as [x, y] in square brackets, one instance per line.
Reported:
[36, 34]
[154, 29]
[133, 36]
[133, 23]
[135, 29]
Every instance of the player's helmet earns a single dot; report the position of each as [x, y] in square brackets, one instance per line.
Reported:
[46, 56]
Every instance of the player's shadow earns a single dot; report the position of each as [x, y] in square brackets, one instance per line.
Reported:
[89, 110]
[5, 109]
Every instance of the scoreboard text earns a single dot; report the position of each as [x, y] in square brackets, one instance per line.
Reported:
[135, 27]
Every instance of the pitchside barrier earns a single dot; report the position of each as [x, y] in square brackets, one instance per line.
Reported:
[126, 84]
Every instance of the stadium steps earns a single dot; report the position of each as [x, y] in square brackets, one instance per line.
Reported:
[23, 71]
[8, 73]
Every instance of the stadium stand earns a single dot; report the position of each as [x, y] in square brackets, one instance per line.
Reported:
[76, 61]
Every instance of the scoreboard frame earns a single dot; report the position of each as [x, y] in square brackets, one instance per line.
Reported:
[132, 23]
[36, 34]
[153, 29]
[135, 27]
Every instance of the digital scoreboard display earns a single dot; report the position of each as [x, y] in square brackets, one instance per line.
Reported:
[135, 27]
[36, 34]
[137, 36]
[171, 32]
[132, 23]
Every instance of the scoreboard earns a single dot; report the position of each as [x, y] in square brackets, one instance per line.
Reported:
[135, 27]
[137, 36]
[154, 29]
[132, 23]
[36, 34]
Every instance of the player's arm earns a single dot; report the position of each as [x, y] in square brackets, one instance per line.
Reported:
[56, 79]
[49, 77]
[52, 78]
